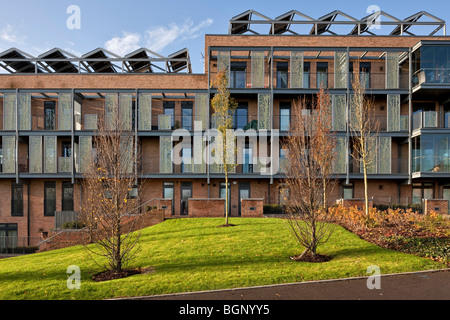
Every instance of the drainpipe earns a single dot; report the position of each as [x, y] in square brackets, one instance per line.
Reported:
[28, 213]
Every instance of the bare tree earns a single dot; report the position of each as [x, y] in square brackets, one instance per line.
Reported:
[110, 207]
[310, 147]
[224, 106]
[364, 128]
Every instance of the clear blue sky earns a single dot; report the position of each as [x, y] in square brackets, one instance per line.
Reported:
[163, 26]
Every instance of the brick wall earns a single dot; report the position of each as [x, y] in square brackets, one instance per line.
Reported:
[206, 207]
[440, 206]
[252, 208]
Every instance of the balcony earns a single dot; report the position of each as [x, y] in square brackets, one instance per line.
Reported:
[430, 120]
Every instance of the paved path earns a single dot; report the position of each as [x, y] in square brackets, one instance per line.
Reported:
[430, 285]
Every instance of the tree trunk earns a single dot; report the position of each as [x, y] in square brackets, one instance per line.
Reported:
[226, 196]
[366, 196]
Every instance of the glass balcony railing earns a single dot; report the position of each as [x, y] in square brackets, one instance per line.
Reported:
[431, 119]
[309, 80]
[431, 164]
[431, 76]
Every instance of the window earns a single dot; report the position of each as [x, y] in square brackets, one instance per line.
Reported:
[283, 160]
[282, 74]
[347, 191]
[322, 74]
[186, 115]
[49, 115]
[169, 109]
[8, 235]
[247, 161]
[168, 192]
[186, 165]
[66, 149]
[285, 115]
[364, 74]
[241, 113]
[49, 198]
[67, 196]
[306, 72]
[238, 74]
[422, 191]
[17, 200]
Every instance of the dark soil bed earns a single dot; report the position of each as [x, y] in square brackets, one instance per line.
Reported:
[311, 258]
[111, 275]
[226, 225]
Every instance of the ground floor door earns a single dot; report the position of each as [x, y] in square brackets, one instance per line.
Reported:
[168, 193]
[186, 193]
[244, 193]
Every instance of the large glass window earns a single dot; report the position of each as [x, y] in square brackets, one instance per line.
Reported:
[8, 236]
[169, 109]
[17, 200]
[285, 115]
[186, 115]
[431, 153]
[422, 191]
[240, 116]
[247, 161]
[431, 64]
[322, 74]
[66, 149]
[238, 74]
[168, 192]
[282, 74]
[67, 196]
[306, 72]
[49, 115]
[49, 198]
[347, 191]
[364, 74]
[186, 165]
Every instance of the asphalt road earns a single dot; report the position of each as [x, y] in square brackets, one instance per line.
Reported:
[433, 285]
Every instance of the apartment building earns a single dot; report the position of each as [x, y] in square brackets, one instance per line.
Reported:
[50, 106]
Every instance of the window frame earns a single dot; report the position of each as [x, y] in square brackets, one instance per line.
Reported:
[48, 185]
[49, 105]
[16, 202]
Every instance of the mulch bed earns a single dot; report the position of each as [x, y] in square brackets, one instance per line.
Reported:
[311, 258]
[385, 236]
[111, 275]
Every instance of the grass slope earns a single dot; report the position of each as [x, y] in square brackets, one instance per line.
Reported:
[193, 255]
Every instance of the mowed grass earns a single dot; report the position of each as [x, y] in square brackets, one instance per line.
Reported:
[194, 254]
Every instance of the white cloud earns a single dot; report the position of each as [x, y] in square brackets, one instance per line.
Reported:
[160, 37]
[123, 45]
[9, 34]
[157, 38]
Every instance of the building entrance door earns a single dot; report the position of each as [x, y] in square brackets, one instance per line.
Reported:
[186, 193]
[244, 193]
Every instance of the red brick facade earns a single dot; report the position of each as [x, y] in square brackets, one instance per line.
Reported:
[440, 206]
[206, 208]
[252, 208]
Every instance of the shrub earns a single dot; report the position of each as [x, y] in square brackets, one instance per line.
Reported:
[273, 209]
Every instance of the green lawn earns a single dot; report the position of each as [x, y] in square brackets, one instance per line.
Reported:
[193, 255]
